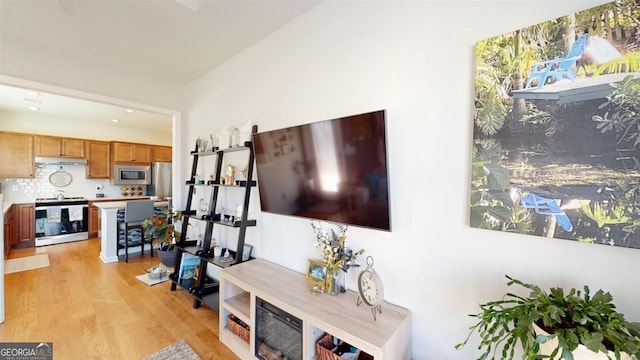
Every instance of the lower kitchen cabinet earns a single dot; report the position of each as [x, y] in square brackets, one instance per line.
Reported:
[25, 220]
[9, 232]
[94, 220]
[300, 319]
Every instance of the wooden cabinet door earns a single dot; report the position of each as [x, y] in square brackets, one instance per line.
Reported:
[161, 154]
[8, 231]
[26, 222]
[94, 220]
[72, 148]
[46, 145]
[131, 153]
[17, 155]
[121, 152]
[98, 163]
[141, 153]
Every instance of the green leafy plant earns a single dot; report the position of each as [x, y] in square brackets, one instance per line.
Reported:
[572, 318]
[161, 227]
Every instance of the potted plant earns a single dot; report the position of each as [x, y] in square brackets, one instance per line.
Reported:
[571, 322]
[162, 230]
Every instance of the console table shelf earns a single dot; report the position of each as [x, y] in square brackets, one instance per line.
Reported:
[240, 285]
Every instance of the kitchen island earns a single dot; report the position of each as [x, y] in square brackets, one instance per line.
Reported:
[109, 227]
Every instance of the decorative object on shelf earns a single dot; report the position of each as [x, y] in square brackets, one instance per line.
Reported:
[335, 254]
[572, 320]
[161, 228]
[370, 289]
[245, 131]
[230, 174]
[316, 272]
[246, 253]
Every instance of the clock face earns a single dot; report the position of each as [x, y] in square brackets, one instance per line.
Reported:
[370, 288]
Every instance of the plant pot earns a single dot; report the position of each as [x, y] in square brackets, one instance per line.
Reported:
[168, 258]
[580, 353]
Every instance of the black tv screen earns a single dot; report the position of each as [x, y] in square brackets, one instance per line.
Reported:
[332, 170]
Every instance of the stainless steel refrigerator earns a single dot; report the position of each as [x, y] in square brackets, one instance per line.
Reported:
[160, 180]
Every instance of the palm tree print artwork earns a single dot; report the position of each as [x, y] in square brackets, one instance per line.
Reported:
[556, 143]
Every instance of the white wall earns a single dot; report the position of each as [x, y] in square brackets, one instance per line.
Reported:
[415, 60]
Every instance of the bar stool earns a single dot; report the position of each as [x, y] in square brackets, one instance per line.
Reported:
[134, 213]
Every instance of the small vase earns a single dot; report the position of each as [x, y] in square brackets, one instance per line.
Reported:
[336, 283]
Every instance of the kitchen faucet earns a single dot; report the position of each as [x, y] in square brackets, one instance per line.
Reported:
[59, 194]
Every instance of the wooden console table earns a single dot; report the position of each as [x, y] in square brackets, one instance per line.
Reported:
[386, 338]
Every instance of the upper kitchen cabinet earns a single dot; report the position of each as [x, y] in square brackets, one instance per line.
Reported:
[161, 154]
[98, 159]
[56, 146]
[131, 153]
[17, 155]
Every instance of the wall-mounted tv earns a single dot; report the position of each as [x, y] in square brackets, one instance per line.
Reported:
[332, 170]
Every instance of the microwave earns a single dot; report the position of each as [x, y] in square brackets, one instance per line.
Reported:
[131, 175]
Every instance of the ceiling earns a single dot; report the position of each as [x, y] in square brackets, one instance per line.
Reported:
[171, 42]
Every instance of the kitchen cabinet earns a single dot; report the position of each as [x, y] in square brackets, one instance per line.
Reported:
[17, 155]
[131, 153]
[98, 159]
[94, 220]
[57, 146]
[8, 231]
[26, 223]
[161, 154]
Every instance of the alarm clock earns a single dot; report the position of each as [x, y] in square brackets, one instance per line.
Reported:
[370, 289]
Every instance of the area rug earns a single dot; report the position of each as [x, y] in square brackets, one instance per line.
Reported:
[180, 350]
[145, 279]
[26, 263]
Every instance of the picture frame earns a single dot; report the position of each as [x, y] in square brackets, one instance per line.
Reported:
[316, 272]
[246, 252]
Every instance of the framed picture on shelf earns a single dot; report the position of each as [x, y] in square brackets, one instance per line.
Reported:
[316, 272]
[246, 253]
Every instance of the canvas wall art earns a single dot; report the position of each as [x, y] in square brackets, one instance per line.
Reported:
[556, 143]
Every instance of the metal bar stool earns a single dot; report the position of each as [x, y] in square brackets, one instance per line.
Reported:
[135, 212]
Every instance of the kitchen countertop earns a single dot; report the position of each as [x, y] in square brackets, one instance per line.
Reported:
[5, 207]
[122, 204]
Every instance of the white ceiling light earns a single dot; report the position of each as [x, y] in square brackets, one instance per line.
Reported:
[115, 120]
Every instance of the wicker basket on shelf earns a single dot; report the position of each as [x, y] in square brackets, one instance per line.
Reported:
[235, 327]
[325, 347]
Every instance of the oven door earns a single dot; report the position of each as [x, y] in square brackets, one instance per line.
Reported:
[61, 223]
[131, 175]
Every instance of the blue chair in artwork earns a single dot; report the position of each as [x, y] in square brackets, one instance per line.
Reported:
[560, 68]
[544, 206]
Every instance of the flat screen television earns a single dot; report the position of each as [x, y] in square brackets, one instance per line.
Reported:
[333, 170]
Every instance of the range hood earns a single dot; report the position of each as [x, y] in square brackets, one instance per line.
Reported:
[59, 161]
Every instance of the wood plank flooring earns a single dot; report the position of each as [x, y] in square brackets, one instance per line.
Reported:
[93, 310]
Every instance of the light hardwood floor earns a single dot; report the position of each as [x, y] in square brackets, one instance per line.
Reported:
[93, 310]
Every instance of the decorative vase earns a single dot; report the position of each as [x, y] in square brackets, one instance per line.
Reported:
[335, 283]
[168, 258]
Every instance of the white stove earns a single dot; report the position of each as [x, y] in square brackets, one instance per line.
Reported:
[60, 220]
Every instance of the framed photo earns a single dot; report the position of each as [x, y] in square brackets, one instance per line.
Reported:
[316, 272]
[246, 253]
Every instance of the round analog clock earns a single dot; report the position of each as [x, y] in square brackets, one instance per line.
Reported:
[370, 288]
